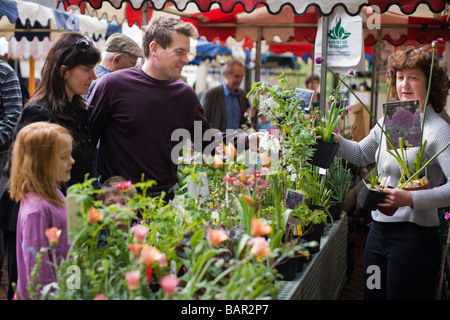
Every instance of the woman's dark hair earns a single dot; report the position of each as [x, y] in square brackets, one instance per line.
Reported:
[51, 87]
[410, 58]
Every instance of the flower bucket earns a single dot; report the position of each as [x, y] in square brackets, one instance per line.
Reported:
[288, 268]
[324, 154]
[336, 209]
[389, 211]
[369, 198]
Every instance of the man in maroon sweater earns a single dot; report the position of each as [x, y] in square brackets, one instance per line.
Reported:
[135, 112]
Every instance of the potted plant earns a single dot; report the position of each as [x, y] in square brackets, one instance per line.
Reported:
[339, 180]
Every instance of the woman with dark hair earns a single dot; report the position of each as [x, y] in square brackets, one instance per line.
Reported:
[403, 251]
[67, 74]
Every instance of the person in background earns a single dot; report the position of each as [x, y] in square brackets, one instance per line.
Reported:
[66, 76]
[135, 112]
[312, 82]
[121, 52]
[226, 106]
[41, 160]
[406, 246]
[10, 109]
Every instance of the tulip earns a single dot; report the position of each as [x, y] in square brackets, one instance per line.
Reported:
[52, 235]
[266, 160]
[216, 236]
[243, 176]
[218, 162]
[140, 232]
[94, 215]
[150, 254]
[100, 296]
[124, 185]
[132, 278]
[230, 151]
[259, 228]
[134, 248]
[168, 283]
[260, 247]
[249, 200]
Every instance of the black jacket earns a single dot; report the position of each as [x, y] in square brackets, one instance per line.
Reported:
[83, 153]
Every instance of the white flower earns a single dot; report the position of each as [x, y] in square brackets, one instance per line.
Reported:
[269, 142]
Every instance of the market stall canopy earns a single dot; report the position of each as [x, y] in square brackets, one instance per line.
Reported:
[300, 7]
[22, 19]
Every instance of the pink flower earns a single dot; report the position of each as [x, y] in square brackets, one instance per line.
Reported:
[434, 43]
[260, 247]
[447, 216]
[348, 108]
[100, 296]
[140, 232]
[169, 283]
[132, 278]
[124, 185]
[318, 60]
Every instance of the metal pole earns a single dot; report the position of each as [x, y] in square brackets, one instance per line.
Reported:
[323, 70]
[258, 56]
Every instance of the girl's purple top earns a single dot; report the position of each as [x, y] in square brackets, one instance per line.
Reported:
[35, 216]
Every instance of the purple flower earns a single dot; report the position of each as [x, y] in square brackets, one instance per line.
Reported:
[402, 120]
[413, 137]
[434, 43]
[394, 137]
[351, 72]
[319, 60]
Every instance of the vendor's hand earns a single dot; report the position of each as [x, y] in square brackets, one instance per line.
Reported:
[336, 138]
[253, 140]
[396, 197]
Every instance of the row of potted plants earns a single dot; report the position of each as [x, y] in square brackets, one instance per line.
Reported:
[230, 231]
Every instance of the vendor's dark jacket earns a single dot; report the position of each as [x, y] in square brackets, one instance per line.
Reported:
[213, 103]
[83, 152]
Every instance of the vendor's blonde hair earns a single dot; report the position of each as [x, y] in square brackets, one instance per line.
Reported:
[34, 161]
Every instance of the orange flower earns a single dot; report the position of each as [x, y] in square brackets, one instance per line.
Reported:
[94, 216]
[52, 235]
[150, 254]
[230, 151]
[218, 162]
[134, 248]
[249, 200]
[266, 160]
[132, 278]
[260, 247]
[216, 236]
[243, 176]
[259, 228]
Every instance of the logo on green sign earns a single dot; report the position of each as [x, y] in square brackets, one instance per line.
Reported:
[338, 32]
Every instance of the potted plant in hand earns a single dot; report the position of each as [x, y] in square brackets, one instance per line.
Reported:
[324, 126]
[408, 174]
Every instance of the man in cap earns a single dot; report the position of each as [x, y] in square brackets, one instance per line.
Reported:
[121, 52]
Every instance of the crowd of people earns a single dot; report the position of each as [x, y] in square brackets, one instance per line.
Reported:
[99, 115]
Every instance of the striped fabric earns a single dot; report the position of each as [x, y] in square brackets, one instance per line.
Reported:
[10, 102]
[426, 202]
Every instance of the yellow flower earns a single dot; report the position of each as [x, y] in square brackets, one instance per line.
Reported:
[216, 236]
[53, 235]
[259, 228]
[94, 216]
